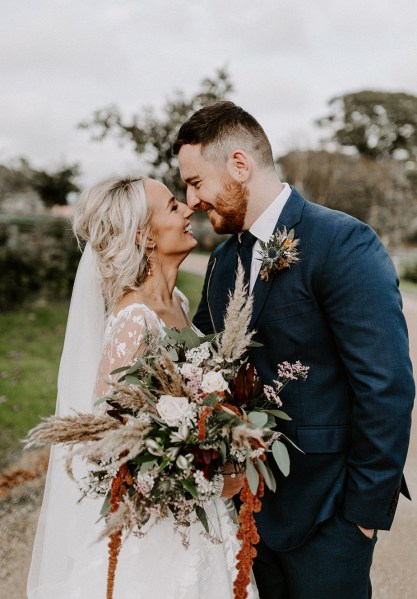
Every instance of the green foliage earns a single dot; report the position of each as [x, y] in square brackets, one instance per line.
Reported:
[380, 193]
[377, 123]
[410, 273]
[43, 259]
[53, 186]
[152, 135]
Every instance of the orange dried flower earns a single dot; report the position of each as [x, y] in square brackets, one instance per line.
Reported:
[120, 484]
[202, 422]
[247, 533]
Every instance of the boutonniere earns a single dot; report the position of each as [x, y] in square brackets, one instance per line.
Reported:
[279, 252]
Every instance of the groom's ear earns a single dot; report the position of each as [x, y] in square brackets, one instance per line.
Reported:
[239, 165]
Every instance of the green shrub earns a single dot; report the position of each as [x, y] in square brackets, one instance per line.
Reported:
[410, 272]
[38, 257]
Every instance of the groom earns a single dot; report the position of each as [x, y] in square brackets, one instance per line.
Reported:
[337, 310]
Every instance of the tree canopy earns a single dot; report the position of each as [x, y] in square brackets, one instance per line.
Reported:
[153, 135]
[378, 124]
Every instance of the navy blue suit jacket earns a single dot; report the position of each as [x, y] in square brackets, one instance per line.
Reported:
[338, 311]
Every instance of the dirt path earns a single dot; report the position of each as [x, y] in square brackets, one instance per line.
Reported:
[394, 569]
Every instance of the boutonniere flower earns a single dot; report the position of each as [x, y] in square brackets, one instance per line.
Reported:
[279, 252]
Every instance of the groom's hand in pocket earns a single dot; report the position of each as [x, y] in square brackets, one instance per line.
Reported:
[233, 481]
[368, 532]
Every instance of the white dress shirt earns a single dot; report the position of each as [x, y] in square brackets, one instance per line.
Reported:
[263, 228]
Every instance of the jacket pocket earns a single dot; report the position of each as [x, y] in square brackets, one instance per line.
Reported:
[289, 310]
[324, 439]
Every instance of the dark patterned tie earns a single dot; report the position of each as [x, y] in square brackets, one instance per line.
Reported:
[247, 241]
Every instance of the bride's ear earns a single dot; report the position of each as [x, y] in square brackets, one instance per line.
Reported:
[141, 236]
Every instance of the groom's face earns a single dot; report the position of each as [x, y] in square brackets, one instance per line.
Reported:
[211, 189]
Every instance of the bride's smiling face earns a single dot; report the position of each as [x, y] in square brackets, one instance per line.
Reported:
[170, 221]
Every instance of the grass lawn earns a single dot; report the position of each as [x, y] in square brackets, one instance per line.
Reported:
[30, 349]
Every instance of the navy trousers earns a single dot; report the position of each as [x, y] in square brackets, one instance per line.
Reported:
[334, 563]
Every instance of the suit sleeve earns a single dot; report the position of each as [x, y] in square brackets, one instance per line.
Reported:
[360, 295]
[202, 319]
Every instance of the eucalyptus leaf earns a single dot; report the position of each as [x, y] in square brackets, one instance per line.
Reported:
[190, 337]
[223, 451]
[147, 466]
[136, 366]
[278, 414]
[252, 476]
[292, 442]
[131, 380]
[106, 507]
[255, 344]
[202, 516]
[172, 353]
[210, 400]
[267, 474]
[258, 419]
[121, 369]
[281, 456]
[206, 338]
[174, 334]
[190, 487]
[291, 234]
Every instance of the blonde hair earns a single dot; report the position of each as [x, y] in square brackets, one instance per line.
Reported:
[109, 216]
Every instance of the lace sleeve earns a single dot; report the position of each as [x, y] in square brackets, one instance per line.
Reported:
[123, 341]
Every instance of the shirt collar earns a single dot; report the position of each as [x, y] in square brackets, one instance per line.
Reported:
[264, 226]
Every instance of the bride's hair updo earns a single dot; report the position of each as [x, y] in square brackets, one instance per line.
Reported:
[109, 215]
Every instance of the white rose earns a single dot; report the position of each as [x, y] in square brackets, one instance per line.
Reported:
[213, 381]
[172, 409]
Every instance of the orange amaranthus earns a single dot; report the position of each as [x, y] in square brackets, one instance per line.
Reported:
[248, 535]
[119, 487]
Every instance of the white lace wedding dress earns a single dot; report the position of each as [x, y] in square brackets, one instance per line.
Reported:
[156, 566]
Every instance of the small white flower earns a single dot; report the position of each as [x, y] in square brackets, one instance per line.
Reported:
[172, 409]
[189, 371]
[213, 381]
[198, 355]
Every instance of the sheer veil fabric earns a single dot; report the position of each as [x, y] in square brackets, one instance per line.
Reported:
[63, 521]
[67, 561]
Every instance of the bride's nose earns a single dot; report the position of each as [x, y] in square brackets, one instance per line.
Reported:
[187, 211]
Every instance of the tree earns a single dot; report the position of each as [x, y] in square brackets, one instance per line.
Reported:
[379, 193]
[54, 186]
[153, 135]
[378, 124]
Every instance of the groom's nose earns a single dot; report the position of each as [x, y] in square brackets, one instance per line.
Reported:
[192, 199]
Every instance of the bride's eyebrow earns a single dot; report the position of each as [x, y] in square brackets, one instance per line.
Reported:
[171, 201]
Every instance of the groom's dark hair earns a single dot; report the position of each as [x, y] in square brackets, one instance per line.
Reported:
[219, 127]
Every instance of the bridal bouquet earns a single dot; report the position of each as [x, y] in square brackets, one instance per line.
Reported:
[188, 407]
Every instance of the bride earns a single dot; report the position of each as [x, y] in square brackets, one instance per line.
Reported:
[137, 235]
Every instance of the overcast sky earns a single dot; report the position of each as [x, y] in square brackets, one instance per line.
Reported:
[62, 59]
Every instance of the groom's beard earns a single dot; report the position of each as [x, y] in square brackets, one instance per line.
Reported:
[231, 203]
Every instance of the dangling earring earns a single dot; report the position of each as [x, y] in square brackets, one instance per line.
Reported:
[148, 261]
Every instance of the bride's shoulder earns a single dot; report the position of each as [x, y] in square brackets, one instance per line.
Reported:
[132, 310]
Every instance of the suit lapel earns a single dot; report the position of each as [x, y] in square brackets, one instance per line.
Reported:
[290, 216]
[221, 280]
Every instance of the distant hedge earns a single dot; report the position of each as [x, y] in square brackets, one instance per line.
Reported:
[38, 256]
[410, 272]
